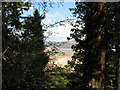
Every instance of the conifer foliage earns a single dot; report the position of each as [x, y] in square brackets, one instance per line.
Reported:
[24, 58]
[94, 44]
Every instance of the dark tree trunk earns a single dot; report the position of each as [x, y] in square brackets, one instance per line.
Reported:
[102, 67]
[99, 73]
[118, 66]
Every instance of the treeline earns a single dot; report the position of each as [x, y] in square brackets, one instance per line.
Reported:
[97, 51]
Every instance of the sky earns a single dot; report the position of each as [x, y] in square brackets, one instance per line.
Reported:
[59, 12]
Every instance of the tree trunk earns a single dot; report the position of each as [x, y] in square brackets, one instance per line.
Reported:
[118, 66]
[0, 48]
[102, 63]
[100, 72]
[119, 76]
[95, 73]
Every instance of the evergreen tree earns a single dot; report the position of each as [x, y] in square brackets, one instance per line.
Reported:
[34, 56]
[95, 49]
[23, 57]
[10, 43]
[114, 38]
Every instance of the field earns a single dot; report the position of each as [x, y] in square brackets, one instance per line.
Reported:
[62, 59]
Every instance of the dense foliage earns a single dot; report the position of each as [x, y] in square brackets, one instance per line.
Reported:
[10, 43]
[24, 58]
[96, 40]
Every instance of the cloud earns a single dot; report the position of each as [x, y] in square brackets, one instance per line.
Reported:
[50, 17]
[32, 7]
[60, 33]
[55, 14]
[47, 21]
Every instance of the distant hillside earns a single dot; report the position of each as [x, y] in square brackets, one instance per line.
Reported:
[60, 45]
[61, 59]
[67, 44]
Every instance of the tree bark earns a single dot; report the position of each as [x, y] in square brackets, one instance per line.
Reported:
[119, 76]
[102, 63]
[100, 72]
[118, 66]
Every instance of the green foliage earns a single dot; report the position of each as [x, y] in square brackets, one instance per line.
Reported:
[100, 30]
[57, 78]
[34, 57]
[114, 42]
[10, 43]
[24, 58]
